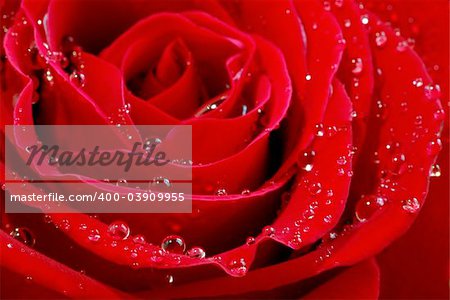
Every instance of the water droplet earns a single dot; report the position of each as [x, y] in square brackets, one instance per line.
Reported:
[122, 182]
[347, 23]
[411, 205]
[139, 239]
[398, 162]
[238, 267]
[94, 235]
[357, 66]
[328, 218]
[119, 230]
[434, 147]
[151, 143]
[65, 225]
[24, 235]
[173, 244]
[418, 82]
[196, 252]
[439, 115]
[246, 192]
[339, 3]
[221, 192]
[161, 181]
[342, 160]
[307, 214]
[306, 159]
[319, 130]
[435, 171]
[432, 92]
[48, 76]
[315, 188]
[244, 110]
[250, 240]
[77, 78]
[308, 77]
[269, 231]
[365, 19]
[380, 38]
[170, 279]
[367, 206]
[402, 46]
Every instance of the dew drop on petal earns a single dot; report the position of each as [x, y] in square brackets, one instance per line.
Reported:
[139, 239]
[150, 143]
[238, 267]
[170, 279]
[77, 78]
[122, 182]
[161, 181]
[315, 188]
[119, 230]
[357, 66]
[245, 192]
[306, 159]
[439, 115]
[23, 235]
[380, 38]
[411, 205]
[347, 23]
[434, 147]
[319, 130]
[432, 92]
[365, 19]
[250, 240]
[173, 244]
[94, 235]
[221, 192]
[435, 171]
[418, 82]
[367, 206]
[196, 252]
[269, 231]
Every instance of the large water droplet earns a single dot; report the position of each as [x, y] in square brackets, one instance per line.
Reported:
[23, 235]
[119, 230]
[435, 171]
[173, 244]
[367, 206]
[77, 78]
[306, 159]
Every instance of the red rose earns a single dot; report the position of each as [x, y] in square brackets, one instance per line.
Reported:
[315, 130]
